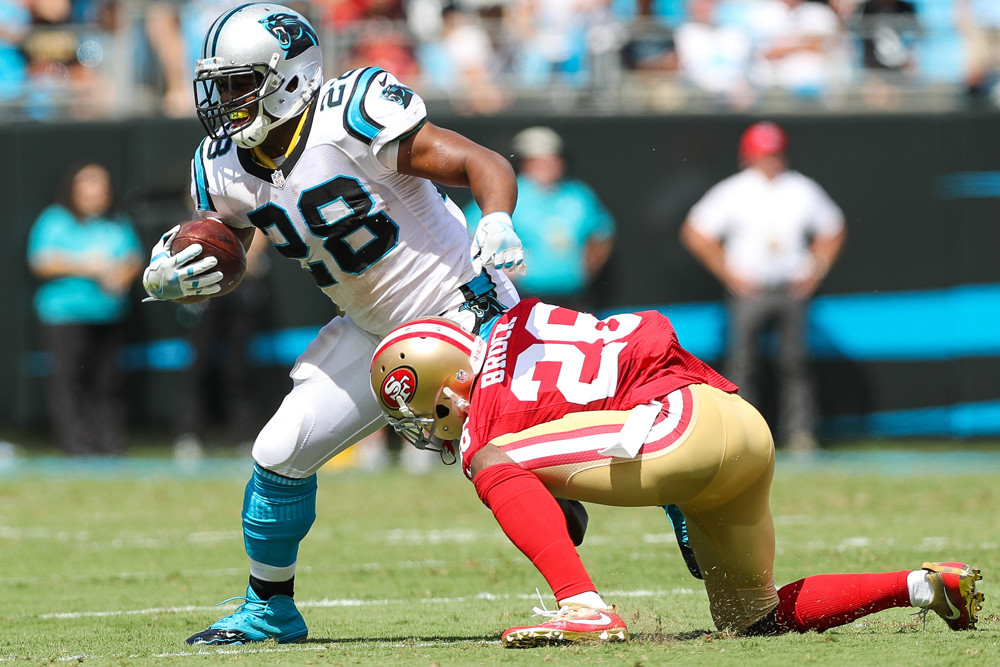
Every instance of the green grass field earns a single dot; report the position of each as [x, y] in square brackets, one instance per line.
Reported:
[117, 563]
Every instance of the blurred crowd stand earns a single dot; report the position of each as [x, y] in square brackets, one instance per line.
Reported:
[715, 57]
[979, 23]
[799, 48]
[106, 59]
[888, 31]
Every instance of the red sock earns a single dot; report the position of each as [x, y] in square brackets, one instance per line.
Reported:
[827, 600]
[531, 518]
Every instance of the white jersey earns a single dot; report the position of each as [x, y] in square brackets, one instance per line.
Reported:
[384, 246]
[767, 224]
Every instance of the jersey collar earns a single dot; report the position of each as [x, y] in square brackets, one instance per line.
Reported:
[277, 175]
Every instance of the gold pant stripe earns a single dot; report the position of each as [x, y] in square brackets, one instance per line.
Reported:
[579, 437]
[716, 464]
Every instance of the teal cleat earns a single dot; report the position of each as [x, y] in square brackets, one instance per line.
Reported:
[256, 620]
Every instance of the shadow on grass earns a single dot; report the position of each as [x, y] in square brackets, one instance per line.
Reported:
[674, 637]
[404, 640]
[410, 640]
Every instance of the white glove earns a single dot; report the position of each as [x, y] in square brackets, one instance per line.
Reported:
[496, 243]
[169, 277]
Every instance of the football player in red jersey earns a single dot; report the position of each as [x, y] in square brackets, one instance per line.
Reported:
[553, 402]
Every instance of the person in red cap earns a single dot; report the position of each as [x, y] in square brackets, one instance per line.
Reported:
[770, 235]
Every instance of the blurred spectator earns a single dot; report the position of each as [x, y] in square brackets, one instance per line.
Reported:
[769, 235]
[166, 39]
[843, 8]
[798, 46]
[463, 62]
[50, 52]
[888, 30]
[979, 23]
[566, 231]
[605, 37]
[548, 39]
[381, 43]
[87, 256]
[649, 45]
[15, 23]
[340, 14]
[66, 67]
[221, 379]
[715, 58]
[51, 12]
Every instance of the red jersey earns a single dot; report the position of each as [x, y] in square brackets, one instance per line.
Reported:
[544, 362]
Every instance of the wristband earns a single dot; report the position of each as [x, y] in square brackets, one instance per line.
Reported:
[499, 217]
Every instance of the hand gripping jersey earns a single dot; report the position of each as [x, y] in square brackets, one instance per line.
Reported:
[365, 232]
[544, 362]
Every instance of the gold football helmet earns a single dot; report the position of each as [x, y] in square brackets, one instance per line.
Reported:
[422, 374]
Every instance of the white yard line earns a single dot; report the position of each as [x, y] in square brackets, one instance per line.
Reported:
[326, 602]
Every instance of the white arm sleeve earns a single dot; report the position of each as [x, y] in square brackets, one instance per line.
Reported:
[388, 155]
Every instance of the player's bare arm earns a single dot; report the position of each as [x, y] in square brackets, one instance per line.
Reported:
[448, 158]
[489, 455]
[245, 236]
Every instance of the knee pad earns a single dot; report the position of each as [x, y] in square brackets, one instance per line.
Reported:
[284, 435]
[277, 514]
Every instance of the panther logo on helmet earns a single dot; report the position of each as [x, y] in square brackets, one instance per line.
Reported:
[261, 66]
[293, 35]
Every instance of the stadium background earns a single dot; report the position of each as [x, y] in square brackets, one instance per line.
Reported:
[905, 331]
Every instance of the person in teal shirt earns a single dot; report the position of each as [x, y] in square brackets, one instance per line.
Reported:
[86, 256]
[566, 230]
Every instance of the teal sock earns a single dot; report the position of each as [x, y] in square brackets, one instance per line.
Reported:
[277, 514]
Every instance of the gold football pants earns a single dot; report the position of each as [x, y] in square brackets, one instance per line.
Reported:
[708, 452]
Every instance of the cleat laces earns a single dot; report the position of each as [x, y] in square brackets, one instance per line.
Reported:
[544, 611]
[246, 602]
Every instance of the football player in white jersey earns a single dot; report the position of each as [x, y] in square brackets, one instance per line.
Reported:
[340, 175]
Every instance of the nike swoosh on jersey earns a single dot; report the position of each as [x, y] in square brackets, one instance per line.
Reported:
[385, 77]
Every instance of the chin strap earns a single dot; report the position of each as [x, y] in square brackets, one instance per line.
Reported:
[457, 401]
[444, 448]
[448, 455]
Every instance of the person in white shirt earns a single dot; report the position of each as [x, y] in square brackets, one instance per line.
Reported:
[799, 46]
[715, 57]
[770, 235]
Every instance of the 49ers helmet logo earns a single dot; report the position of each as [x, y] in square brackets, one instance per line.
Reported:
[399, 384]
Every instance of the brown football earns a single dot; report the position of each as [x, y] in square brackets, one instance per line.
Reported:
[219, 241]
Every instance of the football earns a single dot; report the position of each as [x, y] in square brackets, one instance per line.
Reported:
[219, 241]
